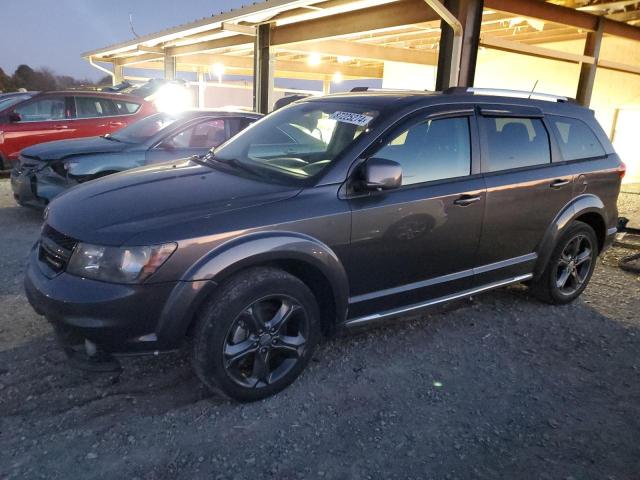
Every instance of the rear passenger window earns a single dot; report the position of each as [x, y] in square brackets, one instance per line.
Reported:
[88, 107]
[431, 150]
[514, 142]
[576, 139]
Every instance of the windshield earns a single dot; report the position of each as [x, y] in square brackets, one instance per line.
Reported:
[12, 100]
[144, 129]
[299, 141]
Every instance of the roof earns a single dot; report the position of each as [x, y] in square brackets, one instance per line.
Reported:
[356, 37]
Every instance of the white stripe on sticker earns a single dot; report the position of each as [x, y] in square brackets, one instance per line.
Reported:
[353, 118]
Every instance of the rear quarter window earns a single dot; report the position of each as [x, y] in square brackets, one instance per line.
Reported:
[126, 108]
[575, 139]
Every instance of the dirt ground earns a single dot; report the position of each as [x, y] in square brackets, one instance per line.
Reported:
[499, 387]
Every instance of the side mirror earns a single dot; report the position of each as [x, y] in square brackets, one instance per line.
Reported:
[382, 174]
[15, 117]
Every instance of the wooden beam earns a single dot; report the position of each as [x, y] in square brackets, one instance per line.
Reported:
[620, 29]
[246, 63]
[566, 16]
[545, 11]
[249, 30]
[147, 57]
[209, 45]
[533, 50]
[619, 67]
[144, 49]
[403, 12]
[364, 51]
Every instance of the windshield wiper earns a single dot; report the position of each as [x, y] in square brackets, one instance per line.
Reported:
[234, 162]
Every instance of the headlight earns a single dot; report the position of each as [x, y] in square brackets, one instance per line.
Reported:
[118, 264]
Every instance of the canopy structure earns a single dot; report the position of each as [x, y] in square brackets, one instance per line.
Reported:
[400, 43]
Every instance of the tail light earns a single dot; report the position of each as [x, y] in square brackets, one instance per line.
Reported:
[622, 169]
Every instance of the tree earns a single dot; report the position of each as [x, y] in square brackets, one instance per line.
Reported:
[24, 77]
[6, 82]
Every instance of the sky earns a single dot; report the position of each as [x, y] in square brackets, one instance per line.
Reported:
[54, 33]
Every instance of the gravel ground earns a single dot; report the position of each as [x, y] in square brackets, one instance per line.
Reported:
[499, 387]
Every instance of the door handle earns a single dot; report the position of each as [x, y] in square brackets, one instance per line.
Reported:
[561, 182]
[60, 127]
[116, 124]
[465, 200]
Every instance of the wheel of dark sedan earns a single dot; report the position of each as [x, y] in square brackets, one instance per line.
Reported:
[570, 266]
[256, 334]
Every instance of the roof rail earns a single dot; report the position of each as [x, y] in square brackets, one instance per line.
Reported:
[373, 89]
[509, 93]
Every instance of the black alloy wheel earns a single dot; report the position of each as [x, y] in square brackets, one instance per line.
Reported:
[255, 334]
[570, 266]
[265, 341]
[574, 264]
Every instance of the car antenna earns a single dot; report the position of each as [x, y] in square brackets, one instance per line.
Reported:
[533, 89]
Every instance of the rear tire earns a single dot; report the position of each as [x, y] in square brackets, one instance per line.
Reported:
[256, 334]
[570, 266]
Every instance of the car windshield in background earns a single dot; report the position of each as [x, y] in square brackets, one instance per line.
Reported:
[145, 128]
[299, 141]
[12, 100]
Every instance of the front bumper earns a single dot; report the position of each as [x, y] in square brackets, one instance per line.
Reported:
[37, 187]
[117, 318]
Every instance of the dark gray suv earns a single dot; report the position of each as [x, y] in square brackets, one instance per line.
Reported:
[254, 251]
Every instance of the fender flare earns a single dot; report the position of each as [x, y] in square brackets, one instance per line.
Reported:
[201, 280]
[578, 206]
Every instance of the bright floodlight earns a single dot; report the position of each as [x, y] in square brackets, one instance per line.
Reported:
[337, 77]
[218, 69]
[314, 59]
[172, 98]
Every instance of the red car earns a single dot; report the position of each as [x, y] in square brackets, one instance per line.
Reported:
[60, 115]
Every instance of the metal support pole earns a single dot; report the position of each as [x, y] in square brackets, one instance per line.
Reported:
[202, 88]
[470, 15]
[326, 86]
[169, 67]
[588, 70]
[450, 44]
[263, 70]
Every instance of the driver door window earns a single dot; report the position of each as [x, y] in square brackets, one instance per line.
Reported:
[431, 150]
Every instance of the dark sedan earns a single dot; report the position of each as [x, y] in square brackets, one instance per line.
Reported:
[47, 169]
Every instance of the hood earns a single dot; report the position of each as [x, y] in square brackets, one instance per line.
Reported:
[80, 146]
[157, 203]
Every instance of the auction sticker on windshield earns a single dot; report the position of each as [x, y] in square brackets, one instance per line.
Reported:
[354, 118]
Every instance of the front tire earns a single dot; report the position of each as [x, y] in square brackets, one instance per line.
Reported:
[256, 334]
[570, 267]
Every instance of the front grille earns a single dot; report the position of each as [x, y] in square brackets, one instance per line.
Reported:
[60, 239]
[55, 248]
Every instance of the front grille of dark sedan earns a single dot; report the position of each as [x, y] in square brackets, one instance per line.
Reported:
[55, 248]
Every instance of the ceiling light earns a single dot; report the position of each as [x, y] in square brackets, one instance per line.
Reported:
[314, 59]
[217, 69]
[343, 59]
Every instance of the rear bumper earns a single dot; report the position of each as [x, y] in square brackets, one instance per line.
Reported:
[118, 318]
[609, 238]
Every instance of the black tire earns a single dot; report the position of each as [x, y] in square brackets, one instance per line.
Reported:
[242, 317]
[570, 266]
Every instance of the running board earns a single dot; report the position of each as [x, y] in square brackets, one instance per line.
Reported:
[417, 306]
